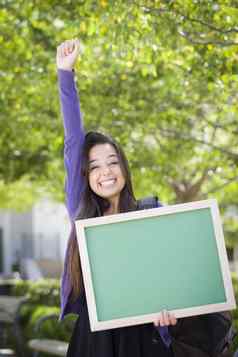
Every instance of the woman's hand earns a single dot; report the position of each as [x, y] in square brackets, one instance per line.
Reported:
[67, 54]
[165, 319]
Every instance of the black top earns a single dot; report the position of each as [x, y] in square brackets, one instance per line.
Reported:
[135, 341]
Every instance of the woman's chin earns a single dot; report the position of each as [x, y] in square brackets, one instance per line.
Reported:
[109, 194]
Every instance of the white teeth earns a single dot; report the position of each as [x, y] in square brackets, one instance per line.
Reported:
[108, 182]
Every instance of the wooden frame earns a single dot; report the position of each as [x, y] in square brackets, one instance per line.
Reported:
[81, 227]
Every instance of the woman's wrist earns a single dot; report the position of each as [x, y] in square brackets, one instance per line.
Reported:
[65, 69]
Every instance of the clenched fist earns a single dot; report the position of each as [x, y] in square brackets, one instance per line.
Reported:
[67, 54]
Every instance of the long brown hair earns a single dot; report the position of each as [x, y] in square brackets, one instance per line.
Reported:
[91, 205]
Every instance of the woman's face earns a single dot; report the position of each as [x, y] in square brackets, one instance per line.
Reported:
[105, 175]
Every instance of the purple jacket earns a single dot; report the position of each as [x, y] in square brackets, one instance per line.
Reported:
[74, 139]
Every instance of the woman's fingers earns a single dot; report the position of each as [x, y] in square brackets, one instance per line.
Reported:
[165, 319]
[67, 54]
[173, 320]
[69, 47]
[66, 48]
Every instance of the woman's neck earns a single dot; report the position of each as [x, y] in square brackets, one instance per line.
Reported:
[113, 208]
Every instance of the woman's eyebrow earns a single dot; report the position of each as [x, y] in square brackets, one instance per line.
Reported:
[94, 160]
[91, 161]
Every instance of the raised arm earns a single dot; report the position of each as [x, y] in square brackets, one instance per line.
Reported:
[67, 54]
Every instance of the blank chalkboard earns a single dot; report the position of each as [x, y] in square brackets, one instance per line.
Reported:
[139, 263]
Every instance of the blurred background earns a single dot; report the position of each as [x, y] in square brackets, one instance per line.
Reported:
[159, 76]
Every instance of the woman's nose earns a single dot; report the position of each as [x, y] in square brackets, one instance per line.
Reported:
[106, 170]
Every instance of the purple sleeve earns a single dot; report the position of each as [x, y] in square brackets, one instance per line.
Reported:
[165, 335]
[73, 141]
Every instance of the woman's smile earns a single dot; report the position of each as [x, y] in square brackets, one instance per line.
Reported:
[108, 182]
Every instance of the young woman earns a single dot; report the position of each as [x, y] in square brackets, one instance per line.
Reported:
[98, 183]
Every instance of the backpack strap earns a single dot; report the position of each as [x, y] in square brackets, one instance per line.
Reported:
[223, 332]
[148, 202]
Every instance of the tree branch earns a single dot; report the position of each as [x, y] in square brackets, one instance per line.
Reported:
[177, 134]
[207, 42]
[186, 190]
[206, 24]
[222, 126]
[219, 187]
[148, 9]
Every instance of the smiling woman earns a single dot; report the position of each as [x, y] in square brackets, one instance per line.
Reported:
[98, 183]
[105, 174]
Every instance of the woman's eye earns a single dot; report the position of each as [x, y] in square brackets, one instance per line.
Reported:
[113, 163]
[93, 168]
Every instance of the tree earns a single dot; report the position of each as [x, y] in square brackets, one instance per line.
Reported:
[163, 72]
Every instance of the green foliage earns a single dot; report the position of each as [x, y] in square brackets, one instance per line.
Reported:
[51, 328]
[160, 76]
[43, 299]
[40, 292]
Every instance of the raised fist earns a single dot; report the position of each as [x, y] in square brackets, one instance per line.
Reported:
[67, 54]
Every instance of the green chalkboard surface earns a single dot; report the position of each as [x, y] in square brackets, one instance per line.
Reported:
[140, 266]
